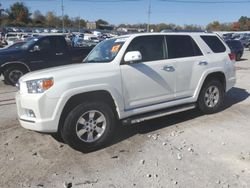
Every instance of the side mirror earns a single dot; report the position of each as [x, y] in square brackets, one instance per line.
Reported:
[36, 48]
[133, 56]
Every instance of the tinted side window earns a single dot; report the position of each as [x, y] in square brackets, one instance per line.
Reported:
[214, 44]
[151, 47]
[59, 44]
[44, 44]
[181, 46]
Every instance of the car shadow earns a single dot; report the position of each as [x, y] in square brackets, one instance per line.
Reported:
[233, 96]
[242, 59]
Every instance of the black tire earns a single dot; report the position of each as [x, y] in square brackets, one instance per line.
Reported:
[69, 130]
[238, 56]
[215, 105]
[12, 74]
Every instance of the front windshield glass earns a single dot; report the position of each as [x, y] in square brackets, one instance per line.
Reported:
[105, 51]
[29, 43]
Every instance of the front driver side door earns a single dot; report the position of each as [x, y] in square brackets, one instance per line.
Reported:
[42, 57]
[152, 80]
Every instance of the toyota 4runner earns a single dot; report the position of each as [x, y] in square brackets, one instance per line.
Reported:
[130, 78]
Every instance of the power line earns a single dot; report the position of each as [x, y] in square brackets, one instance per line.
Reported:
[107, 1]
[205, 2]
[169, 1]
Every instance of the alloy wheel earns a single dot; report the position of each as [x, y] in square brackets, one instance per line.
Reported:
[91, 126]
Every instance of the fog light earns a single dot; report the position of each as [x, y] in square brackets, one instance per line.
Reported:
[30, 113]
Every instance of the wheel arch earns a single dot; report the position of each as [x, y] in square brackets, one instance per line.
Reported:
[76, 99]
[218, 74]
[14, 63]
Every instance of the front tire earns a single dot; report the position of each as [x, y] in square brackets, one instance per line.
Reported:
[12, 74]
[211, 97]
[89, 126]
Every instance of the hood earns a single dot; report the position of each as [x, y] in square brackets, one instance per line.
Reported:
[64, 72]
[11, 54]
[10, 51]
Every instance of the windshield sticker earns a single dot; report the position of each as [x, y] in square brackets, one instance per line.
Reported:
[121, 40]
[115, 48]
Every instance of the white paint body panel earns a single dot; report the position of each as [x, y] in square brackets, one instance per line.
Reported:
[135, 88]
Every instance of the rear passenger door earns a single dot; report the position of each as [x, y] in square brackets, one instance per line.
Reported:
[188, 61]
[152, 80]
[61, 54]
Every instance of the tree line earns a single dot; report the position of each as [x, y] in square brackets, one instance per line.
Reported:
[19, 15]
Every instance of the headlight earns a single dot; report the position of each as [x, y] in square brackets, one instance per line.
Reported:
[39, 85]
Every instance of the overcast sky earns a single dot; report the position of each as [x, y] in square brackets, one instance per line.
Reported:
[129, 11]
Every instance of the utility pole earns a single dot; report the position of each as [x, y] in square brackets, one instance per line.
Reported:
[62, 17]
[79, 23]
[149, 13]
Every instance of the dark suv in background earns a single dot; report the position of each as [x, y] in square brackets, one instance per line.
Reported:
[236, 47]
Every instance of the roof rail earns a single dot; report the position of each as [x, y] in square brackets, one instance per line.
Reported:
[184, 31]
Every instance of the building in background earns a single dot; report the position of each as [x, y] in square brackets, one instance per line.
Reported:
[91, 25]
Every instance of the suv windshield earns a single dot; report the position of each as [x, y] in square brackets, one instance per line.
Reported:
[105, 51]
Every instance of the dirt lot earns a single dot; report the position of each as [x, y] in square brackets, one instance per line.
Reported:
[182, 150]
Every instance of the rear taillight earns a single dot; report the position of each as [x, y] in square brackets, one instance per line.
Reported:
[232, 56]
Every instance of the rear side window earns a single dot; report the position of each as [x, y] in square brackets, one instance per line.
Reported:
[179, 46]
[214, 43]
[151, 47]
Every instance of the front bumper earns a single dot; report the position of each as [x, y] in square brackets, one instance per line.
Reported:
[45, 120]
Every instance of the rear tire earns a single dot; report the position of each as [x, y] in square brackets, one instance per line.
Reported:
[89, 126]
[211, 97]
[12, 74]
[238, 56]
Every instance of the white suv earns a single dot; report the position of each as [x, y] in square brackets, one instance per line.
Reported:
[130, 78]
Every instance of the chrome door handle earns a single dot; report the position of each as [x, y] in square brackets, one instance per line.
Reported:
[202, 63]
[59, 53]
[168, 68]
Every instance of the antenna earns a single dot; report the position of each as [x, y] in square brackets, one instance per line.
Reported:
[149, 13]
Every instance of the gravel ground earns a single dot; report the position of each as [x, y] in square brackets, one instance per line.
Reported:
[182, 150]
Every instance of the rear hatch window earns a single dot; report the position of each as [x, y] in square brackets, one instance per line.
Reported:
[214, 43]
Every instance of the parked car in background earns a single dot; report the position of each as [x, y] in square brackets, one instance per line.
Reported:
[247, 43]
[91, 37]
[54, 30]
[80, 42]
[38, 53]
[15, 45]
[227, 36]
[131, 79]
[244, 40]
[11, 40]
[236, 47]
[25, 37]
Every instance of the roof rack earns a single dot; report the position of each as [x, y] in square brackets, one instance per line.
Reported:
[184, 31]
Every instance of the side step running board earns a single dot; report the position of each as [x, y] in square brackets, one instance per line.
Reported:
[157, 114]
